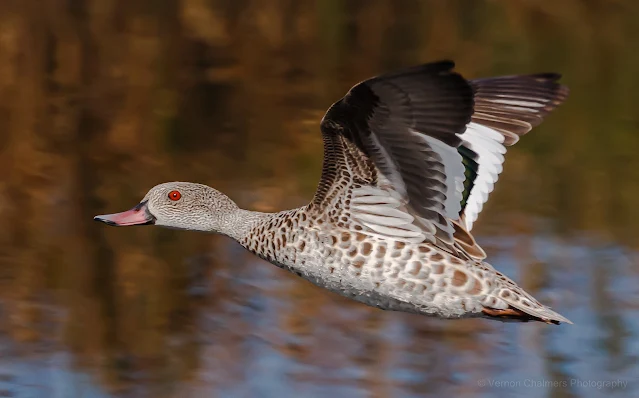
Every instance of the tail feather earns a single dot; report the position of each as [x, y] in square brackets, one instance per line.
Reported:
[539, 311]
[515, 315]
[514, 302]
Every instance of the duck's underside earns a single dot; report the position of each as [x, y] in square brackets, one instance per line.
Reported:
[384, 302]
[510, 314]
[397, 276]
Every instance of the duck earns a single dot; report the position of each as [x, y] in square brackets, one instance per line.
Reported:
[410, 158]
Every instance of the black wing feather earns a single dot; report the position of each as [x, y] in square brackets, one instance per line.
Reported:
[430, 100]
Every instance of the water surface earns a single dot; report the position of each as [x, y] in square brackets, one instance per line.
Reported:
[100, 100]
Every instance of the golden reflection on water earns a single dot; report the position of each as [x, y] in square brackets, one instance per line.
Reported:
[100, 100]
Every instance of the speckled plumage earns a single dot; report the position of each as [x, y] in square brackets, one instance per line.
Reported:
[409, 159]
[334, 254]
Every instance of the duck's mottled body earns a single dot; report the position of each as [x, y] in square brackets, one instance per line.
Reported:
[387, 274]
[409, 160]
[383, 273]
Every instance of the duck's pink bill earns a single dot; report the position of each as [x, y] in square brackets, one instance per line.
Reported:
[139, 215]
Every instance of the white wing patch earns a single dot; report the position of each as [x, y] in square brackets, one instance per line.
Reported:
[384, 211]
[488, 145]
[381, 211]
[454, 172]
[518, 104]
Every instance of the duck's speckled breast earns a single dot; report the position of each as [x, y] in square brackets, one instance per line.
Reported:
[383, 273]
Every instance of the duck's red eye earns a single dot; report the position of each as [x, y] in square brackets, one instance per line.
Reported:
[175, 195]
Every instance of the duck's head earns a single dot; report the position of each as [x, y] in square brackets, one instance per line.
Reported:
[181, 205]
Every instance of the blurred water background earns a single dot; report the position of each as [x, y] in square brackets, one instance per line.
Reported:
[102, 99]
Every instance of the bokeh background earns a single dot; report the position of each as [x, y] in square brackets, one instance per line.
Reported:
[102, 99]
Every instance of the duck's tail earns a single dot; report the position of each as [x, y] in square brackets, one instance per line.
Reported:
[509, 302]
[513, 314]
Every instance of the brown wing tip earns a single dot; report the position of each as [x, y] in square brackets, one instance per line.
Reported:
[562, 90]
[552, 78]
[466, 241]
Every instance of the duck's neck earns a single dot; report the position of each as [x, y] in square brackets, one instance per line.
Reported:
[265, 234]
[240, 223]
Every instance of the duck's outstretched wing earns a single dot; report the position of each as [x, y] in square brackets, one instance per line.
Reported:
[505, 108]
[420, 149]
[399, 133]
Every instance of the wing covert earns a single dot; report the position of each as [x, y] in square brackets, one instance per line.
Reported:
[407, 124]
